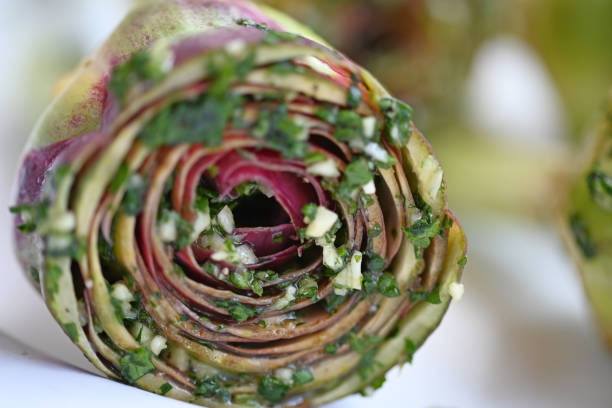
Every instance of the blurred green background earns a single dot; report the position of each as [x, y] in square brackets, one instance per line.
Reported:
[507, 91]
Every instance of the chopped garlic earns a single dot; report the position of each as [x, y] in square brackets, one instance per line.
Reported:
[225, 218]
[284, 374]
[349, 277]
[146, 335]
[246, 255]
[200, 224]
[158, 344]
[376, 152]
[286, 300]
[235, 47]
[166, 230]
[58, 243]
[456, 290]
[326, 168]
[369, 126]
[122, 293]
[213, 241]
[323, 221]
[331, 259]
[64, 222]
[220, 256]
[369, 187]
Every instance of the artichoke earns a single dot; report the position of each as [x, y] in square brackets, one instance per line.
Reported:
[586, 220]
[222, 209]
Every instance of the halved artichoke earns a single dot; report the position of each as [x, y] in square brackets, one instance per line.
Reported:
[222, 209]
[586, 221]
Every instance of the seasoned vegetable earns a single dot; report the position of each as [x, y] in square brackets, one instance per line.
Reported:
[222, 209]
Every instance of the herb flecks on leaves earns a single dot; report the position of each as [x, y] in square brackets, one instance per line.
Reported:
[397, 120]
[140, 67]
[582, 236]
[136, 364]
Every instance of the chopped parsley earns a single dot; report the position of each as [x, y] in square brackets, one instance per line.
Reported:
[353, 96]
[272, 389]
[301, 377]
[421, 232]
[387, 285]
[329, 114]
[356, 174]
[363, 344]
[139, 67]
[397, 120]
[286, 68]
[307, 289]
[33, 215]
[136, 364]
[271, 36]
[237, 310]
[35, 274]
[374, 231]
[120, 178]
[280, 132]
[66, 244]
[72, 331]
[348, 126]
[330, 348]
[52, 277]
[367, 347]
[432, 297]
[310, 211]
[165, 388]
[245, 279]
[332, 302]
[582, 236]
[600, 187]
[409, 348]
[211, 386]
[133, 200]
[314, 157]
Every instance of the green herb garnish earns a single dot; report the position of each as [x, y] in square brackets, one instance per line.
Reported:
[72, 331]
[280, 132]
[301, 377]
[272, 389]
[356, 174]
[387, 285]
[582, 236]
[432, 297]
[165, 388]
[136, 364]
[140, 67]
[210, 387]
[410, 348]
[397, 120]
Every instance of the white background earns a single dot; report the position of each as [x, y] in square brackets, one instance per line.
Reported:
[521, 337]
